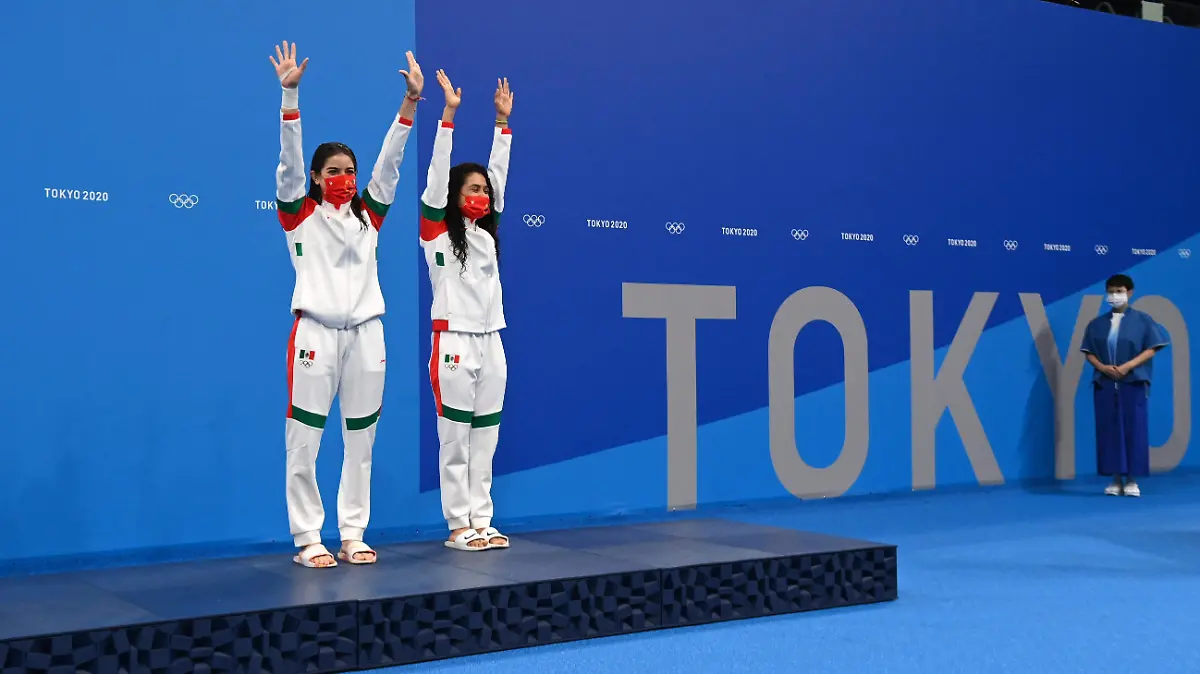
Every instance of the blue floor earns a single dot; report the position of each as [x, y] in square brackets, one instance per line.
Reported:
[1005, 580]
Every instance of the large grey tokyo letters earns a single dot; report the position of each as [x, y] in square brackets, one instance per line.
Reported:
[681, 306]
[932, 395]
[1063, 378]
[1166, 314]
[803, 307]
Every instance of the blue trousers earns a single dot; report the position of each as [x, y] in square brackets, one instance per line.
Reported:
[1122, 428]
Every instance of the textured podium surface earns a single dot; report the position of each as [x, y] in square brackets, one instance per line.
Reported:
[423, 601]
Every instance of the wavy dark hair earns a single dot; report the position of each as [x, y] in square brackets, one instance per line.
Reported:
[456, 225]
[320, 156]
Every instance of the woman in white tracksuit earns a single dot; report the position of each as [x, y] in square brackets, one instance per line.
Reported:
[336, 346]
[460, 214]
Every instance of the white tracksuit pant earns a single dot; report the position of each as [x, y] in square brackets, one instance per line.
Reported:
[323, 362]
[469, 373]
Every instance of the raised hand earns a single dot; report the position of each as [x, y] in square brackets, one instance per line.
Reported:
[285, 67]
[504, 98]
[453, 96]
[413, 76]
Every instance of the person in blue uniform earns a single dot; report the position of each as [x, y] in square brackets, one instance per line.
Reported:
[1120, 345]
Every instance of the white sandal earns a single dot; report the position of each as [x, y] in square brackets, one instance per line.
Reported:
[308, 554]
[462, 540]
[490, 533]
[352, 548]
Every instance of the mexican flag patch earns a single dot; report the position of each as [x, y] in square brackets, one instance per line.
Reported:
[306, 357]
[451, 361]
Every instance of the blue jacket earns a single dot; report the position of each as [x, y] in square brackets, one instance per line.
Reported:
[1137, 333]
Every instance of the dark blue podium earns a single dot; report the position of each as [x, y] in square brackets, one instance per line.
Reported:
[425, 602]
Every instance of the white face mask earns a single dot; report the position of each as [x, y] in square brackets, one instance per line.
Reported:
[1117, 300]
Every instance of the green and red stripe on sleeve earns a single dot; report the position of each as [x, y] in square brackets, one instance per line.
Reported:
[292, 213]
[433, 222]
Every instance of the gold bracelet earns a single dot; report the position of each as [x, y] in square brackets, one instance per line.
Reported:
[502, 121]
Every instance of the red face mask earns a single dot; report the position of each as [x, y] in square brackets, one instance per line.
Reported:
[339, 189]
[476, 206]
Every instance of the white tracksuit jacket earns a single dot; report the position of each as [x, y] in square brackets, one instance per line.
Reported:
[337, 280]
[469, 301]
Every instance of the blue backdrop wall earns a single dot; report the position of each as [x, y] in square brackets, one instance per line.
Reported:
[147, 335]
[740, 243]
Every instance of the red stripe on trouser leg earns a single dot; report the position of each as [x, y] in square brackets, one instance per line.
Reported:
[433, 372]
[291, 366]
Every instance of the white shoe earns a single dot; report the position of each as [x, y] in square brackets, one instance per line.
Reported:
[1131, 489]
[1114, 489]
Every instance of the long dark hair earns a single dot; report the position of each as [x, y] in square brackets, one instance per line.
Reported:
[323, 153]
[456, 226]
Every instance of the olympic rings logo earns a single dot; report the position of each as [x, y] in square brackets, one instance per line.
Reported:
[1185, 253]
[676, 227]
[1101, 249]
[533, 220]
[1010, 245]
[911, 239]
[184, 200]
[799, 234]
